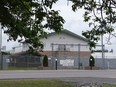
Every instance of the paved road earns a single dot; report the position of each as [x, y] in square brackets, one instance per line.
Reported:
[66, 75]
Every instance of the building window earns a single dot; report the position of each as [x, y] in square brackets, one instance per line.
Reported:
[62, 47]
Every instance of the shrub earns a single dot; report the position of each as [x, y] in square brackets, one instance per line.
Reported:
[45, 61]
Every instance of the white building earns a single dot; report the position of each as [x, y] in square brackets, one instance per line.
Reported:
[70, 50]
[67, 47]
[65, 41]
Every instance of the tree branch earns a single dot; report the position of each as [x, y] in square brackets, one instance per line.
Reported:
[25, 6]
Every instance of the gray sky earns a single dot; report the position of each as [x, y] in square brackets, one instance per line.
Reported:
[74, 22]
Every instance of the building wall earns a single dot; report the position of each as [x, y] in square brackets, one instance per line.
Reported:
[64, 39]
[21, 48]
[16, 49]
[75, 50]
[66, 54]
[107, 55]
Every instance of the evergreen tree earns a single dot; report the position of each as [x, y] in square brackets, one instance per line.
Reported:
[45, 61]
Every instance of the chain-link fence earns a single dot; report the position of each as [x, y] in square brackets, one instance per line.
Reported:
[20, 61]
[4, 62]
[70, 56]
[25, 61]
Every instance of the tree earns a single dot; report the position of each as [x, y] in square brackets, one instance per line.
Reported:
[45, 61]
[28, 19]
[91, 62]
[101, 15]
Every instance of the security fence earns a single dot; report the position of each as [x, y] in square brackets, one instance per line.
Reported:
[70, 56]
[25, 61]
[17, 61]
[4, 62]
[61, 56]
[109, 63]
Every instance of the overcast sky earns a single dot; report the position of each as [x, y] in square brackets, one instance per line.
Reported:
[74, 22]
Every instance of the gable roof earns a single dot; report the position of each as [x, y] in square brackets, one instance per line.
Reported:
[69, 33]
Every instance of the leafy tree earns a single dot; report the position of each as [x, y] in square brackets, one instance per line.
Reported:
[101, 15]
[28, 19]
[5, 53]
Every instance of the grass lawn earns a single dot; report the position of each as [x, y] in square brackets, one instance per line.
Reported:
[32, 83]
[19, 68]
[37, 83]
[109, 86]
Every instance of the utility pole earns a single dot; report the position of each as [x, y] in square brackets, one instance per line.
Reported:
[0, 38]
[1, 45]
[103, 63]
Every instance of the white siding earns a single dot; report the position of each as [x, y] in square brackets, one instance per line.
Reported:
[18, 49]
[107, 55]
[64, 39]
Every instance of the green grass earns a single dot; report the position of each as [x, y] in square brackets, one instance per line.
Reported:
[37, 83]
[109, 85]
[32, 83]
[19, 68]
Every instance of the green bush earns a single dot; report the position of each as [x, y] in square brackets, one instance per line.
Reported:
[91, 62]
[45, 61]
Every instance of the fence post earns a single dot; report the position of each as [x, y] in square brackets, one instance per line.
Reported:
[78, 56]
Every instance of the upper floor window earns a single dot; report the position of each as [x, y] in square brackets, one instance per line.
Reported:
[62, 47]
